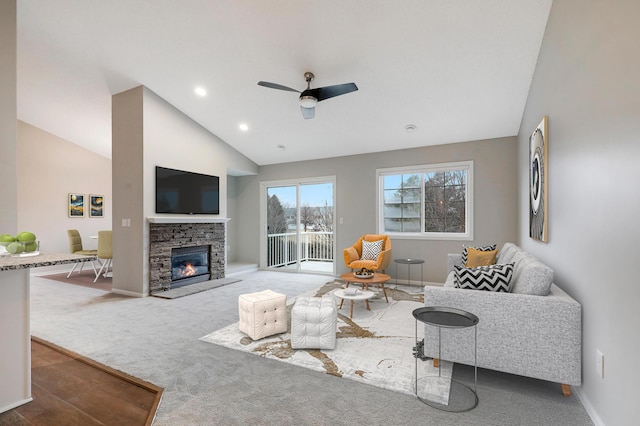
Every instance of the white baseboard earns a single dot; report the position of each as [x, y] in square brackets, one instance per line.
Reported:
[15, 405]
[413, 283]
[237, 268]
[128, 293]
[591, 411]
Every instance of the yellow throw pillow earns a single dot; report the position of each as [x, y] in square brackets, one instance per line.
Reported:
[480, 258]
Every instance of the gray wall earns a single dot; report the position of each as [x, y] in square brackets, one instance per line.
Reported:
[587, 82]
[495, 169]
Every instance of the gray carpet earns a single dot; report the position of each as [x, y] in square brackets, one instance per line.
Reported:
[157, 340]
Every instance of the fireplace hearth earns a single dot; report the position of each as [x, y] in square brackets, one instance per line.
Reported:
[189, 265]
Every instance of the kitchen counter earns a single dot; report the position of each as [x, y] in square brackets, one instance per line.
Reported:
[15, 325]
[8, 262]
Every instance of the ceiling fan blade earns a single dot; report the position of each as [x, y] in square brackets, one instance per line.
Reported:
[276, 86]
[308, 113]
[322, 93]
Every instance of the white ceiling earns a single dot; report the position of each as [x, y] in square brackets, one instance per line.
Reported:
[459, 70]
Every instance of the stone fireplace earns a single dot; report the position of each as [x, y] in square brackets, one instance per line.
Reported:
[168, 234]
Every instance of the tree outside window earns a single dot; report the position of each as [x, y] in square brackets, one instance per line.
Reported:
[428, 201]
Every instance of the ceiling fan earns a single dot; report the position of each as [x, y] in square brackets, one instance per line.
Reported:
[309, 98]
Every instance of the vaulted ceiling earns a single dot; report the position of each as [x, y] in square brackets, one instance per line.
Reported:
[457, 70]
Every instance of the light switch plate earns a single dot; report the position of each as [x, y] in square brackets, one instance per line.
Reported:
[600, 363]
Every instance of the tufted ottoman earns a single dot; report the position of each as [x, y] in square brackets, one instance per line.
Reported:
[313, 323]
[262, 314]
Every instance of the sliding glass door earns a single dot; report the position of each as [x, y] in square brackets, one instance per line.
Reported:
[298, 225]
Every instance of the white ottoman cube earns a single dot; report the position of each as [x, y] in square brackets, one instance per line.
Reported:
[262, 314]
[313, 323]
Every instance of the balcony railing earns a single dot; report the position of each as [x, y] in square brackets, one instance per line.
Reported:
[314, 246]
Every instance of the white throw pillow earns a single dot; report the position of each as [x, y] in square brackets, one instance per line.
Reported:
[371, 249]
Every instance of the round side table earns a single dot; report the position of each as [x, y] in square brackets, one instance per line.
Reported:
[410, 262]
[358, 295]
[461, 397]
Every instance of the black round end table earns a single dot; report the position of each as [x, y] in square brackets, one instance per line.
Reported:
[410, 262]
[461, 397]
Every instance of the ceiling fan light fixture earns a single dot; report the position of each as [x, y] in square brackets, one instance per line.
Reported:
[309, 98]
[308, 102]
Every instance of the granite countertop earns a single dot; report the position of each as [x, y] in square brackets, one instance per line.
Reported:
[8, 263]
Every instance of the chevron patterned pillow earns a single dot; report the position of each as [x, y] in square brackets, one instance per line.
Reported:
[465, 251]
[371, 249]
[490, 278]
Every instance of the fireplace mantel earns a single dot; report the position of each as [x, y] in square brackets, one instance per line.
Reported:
[188, 219]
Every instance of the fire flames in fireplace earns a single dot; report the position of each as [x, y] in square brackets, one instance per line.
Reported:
[187, 270]
[189, 265]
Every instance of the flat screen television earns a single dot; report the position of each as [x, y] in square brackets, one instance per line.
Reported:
[182, 192]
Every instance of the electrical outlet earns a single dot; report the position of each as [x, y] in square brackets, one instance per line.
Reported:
[600, 363]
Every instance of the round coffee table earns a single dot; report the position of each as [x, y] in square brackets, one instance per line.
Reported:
[358, 295]
[377, 280]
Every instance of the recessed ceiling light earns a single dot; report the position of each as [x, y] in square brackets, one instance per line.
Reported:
[243, 126]
[200, 91]
[281, 147]
[410, 128]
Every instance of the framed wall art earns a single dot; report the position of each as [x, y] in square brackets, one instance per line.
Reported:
[539, 182]
[76, 205]
[96, 205]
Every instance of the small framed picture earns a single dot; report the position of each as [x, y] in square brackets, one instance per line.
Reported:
[76, 205]
[96, 205]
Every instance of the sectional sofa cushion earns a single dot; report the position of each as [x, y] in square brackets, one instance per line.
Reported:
[530, 276]
[506, 253]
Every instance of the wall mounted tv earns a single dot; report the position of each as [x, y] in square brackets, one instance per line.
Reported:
[182, 192]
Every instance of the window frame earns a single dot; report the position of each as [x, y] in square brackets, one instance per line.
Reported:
[422, 169]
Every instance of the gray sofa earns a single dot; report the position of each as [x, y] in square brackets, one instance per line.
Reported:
[534, 331]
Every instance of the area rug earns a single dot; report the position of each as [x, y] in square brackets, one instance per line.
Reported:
[194, 288]
[84, 278]
[374, 347]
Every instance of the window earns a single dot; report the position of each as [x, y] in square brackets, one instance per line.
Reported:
[430, 201]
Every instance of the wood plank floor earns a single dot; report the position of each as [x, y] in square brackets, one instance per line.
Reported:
[84, 279]
[69, 389]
